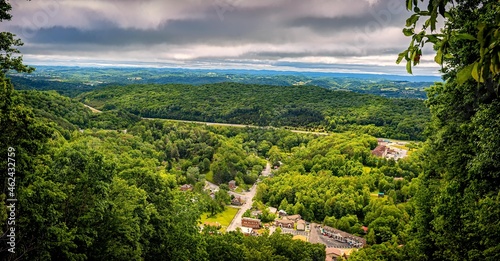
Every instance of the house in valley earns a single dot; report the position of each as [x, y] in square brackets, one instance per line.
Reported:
[294, 218]
[187, 187]
[344, 237]
[237, 201]
[251, 222]
[285, 223]
[232, 184]
[301, 225]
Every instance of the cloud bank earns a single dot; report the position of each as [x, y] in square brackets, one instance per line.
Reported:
[318, 35]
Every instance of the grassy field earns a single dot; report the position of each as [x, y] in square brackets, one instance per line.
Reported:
[223, 218]
[375, 196]
[210, 176]
[402, 147]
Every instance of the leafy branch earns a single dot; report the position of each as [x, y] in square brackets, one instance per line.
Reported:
[487, 34]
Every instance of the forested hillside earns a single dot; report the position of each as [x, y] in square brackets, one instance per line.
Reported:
[65, 88]
[71, 114]
[134, 177]
[305, 107]
[335, 180]
[102, 194]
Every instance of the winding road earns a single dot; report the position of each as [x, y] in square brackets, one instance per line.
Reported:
[248, 203]
[236, 222]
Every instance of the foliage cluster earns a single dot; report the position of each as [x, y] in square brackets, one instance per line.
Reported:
[306, 107]
[332, 179]
[103, 194]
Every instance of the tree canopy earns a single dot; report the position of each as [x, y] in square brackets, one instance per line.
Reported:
[458, 201]
[304, 107]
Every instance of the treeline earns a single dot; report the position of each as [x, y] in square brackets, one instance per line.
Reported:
[235, 246]
[69, 114]
[41, 83]
[306, 107]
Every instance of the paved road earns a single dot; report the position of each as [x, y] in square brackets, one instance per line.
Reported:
[267, 171]
[92, 109]
[211, 185]
[314, 234]
[248, 204]
[249, 201]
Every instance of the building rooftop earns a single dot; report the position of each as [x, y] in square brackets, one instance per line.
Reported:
[250, 219]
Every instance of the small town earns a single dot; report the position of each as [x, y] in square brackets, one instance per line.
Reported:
[339, 244]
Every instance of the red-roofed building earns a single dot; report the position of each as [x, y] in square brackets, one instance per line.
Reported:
[186, 187]
[251, 222]
[365, 229]
[232, 184]
[379, 151]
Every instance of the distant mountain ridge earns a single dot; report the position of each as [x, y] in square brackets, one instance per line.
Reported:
[73, 80]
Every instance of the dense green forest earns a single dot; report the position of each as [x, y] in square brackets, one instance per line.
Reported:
[306, 107]
[133, 178]
[335, 180]
[108, 195]
[65, 88]
[105, 186]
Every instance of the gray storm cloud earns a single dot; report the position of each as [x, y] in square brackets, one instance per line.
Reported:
[322, 32]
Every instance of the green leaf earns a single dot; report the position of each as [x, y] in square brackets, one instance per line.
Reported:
[430, 6]
[408, 67]
[439, 57]
[412, 20]
[442, 9]
[409, 4]
[433, 21]
[475, 71]
[480, 34]
[408, 31]
[464, 74]
[426, 23]
[493, 45]
[432, 38]
[401, 56]
[465, 37]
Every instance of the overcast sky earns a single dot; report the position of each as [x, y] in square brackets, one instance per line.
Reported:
[312, 35]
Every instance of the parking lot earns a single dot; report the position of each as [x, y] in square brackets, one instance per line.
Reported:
[317, 237]
[294, 232]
